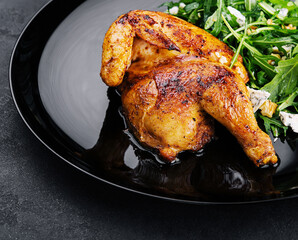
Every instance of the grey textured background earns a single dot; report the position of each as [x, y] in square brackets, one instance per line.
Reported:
[41, 197]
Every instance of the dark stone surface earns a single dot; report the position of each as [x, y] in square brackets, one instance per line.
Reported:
[41, 197]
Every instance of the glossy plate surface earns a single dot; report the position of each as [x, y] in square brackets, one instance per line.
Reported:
[54, 77]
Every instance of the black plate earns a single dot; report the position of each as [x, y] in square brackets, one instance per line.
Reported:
[57, 90]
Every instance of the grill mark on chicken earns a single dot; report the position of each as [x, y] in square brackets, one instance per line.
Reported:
[175, 80]
[149, 20]
[123, 19]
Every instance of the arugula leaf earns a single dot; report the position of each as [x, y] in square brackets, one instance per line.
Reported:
[291, 20]
[267, 7]
[167, 4]
[262, 80]
[275, 41]
[268, 122]
[192, 6]
[262, 62]
[250, 4]
[289, 101]
[211, 20]
[208, 5]
[251, 70]
[234, 59]
[230, 17]
[218, 23]
[283, 3]
[295, 51]
[285, 80]
[193, 17]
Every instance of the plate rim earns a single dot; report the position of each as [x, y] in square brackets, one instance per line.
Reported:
[47, 145]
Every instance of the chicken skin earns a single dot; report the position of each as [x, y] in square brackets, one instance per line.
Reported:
[174, 79]
[165, 32]
[162, 112]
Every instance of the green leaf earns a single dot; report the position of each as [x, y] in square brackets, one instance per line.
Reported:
[291, 20]
[261, 30]
[250, 4]
[275, 131]
[262, 80]
[275, 41]
[211, 20]
[288, 101]
[189, 1]
[218, 24]
[208, 5]
[282, 3]
[230, 17]
[266, 124]
[261, 61]
[251, 70]
[242, 28]
[267, 7]
[252, 49]
[193, 17]
[295, 51]
[293, 13]
[271, 121]
[167, 4]
[285, 81]
[262, 17]
[189, 7]
[234, 59]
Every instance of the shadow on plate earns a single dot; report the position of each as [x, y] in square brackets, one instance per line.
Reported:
[221, 172]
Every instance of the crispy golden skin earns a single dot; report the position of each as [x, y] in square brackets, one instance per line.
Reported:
[165, 32]
[176, 76]
[163, 114]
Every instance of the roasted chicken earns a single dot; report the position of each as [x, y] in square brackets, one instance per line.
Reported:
[176, 78]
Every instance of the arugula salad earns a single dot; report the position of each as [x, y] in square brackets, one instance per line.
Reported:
[265, 33]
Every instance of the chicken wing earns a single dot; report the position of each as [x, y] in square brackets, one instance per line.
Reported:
[176, 77]
[165, 32]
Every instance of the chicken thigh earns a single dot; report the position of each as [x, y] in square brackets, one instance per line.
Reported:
[176, 78]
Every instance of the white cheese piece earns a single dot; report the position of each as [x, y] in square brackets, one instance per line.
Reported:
[275, 49]
[272, 62]
[223, 60]
[257, 97]
[289, 119]
[182, 5]
[239, 17]
[174, 10]
[283, 13]
[288, 47]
